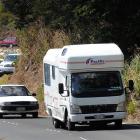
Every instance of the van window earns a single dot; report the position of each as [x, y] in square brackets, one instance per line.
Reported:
[47, 74]
[53, 72]
[96, 84]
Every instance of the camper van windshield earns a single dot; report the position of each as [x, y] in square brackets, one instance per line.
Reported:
[96, 84]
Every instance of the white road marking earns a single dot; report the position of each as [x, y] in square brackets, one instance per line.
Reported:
[83, 138]
[11, 123]
[52, 130]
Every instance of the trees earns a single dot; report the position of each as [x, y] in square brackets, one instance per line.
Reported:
[91, 21]
[87, 21]
[22, 9]
[7, 20]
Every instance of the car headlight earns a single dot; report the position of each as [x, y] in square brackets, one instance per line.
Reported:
[5, 103]
[1, 104]
[75, 109]
[121, 107]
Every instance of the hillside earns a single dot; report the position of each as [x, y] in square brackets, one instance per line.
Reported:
[29, 70]
[24, 76]
[33, 79]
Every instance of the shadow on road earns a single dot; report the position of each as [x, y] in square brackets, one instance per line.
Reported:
[107, 127]
[20, 117]
[78, 127]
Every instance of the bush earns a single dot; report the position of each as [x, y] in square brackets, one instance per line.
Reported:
[4, 79]
[34, 42]
[132, 71]
[40, 95]
[131, 108]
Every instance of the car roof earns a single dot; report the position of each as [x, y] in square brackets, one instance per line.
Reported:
[13, 54]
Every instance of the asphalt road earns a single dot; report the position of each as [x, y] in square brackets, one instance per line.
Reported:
[16, 128]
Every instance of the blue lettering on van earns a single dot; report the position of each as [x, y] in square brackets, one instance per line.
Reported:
[92, 61]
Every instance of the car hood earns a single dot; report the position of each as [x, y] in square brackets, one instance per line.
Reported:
[17, 98]
[6, 62]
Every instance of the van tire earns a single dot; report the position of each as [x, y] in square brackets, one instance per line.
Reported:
[56, 123]
[70, 125]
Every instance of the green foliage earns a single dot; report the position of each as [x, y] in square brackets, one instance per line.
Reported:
[131, 108]
[132, 71]
[4, 79]
[7, 19]
[33, 43]
[40, 94]
[22, 9]
[35, 40]
[86, 21]
[1, 7]
[94, 20]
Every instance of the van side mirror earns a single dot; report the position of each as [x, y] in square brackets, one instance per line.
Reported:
[131, 85]
[61, 88]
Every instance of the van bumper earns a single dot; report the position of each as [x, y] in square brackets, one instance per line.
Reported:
[97, 117]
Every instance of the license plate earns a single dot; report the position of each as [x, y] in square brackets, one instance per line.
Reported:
[20, 109]
[99, 116]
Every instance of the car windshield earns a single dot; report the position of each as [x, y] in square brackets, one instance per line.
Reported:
[91, 84]
[10, 39]
[11, 58]
[13, 91]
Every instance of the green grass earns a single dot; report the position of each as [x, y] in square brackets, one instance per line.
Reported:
[131, 107]
[4, 79]
[40, 95]
[132, 71]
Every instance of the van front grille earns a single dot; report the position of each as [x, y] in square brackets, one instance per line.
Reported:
[88, 109]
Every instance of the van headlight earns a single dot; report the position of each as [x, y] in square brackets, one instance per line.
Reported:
[75, 109]
[121, 107]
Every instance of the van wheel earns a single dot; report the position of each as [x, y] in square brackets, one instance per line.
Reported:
[62, 125]
[118, 124]
[56, 123]
[70, 125]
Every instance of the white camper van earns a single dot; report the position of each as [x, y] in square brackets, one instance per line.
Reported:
[83, 84]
